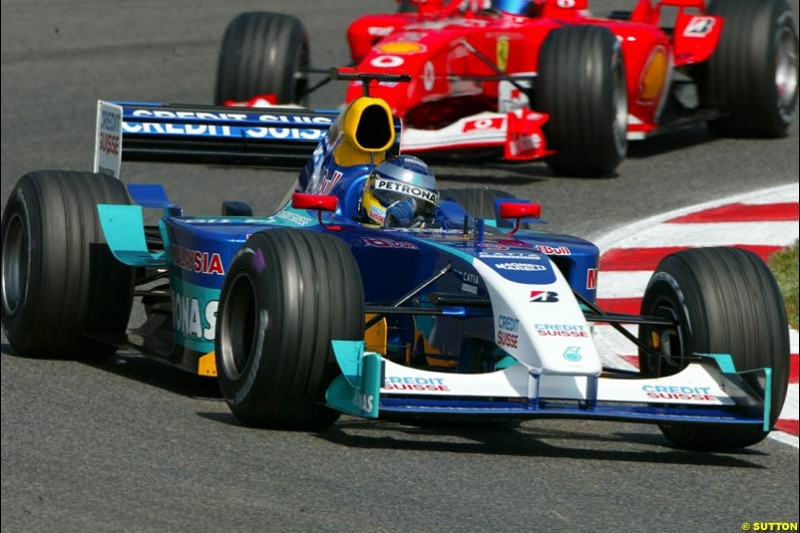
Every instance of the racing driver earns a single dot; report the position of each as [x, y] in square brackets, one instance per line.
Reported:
[400, 193]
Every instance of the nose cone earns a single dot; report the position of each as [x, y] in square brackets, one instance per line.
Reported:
[537, 318]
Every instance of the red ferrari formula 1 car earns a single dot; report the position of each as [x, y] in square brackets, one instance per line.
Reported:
[543, 78]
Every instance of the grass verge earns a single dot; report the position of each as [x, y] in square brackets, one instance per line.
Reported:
[784, 265]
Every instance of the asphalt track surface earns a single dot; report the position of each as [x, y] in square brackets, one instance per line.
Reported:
[132, 445]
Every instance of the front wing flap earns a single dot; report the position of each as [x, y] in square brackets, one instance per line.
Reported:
[517, 133]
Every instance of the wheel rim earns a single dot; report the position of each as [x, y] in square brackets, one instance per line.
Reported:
[786, 72]
[671, 341]
[620, 102]
[239, 324]
[15, 264]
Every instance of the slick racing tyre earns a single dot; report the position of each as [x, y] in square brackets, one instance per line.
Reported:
[287, 294]
[581, 85]
[726, 301]
[61, 286]
[262, 53]
[752, 74]
[478, 203]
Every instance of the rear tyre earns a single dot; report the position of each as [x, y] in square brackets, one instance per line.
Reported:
[263, 53]
[287, 294]
[581, 85]
[234, 208]
[60, 282]
[726, 302]
[478, 203]
[752, 75]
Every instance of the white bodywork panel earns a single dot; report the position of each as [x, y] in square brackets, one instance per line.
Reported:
[552, 336]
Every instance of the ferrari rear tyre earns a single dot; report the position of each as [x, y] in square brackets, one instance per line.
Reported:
[263, 53]
[581, 85]
[726, 301]
[287, 294]
[61, 286]
[752, 74]
[235, 208]
[478, 203]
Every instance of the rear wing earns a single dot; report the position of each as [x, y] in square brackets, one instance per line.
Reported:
[177, 133]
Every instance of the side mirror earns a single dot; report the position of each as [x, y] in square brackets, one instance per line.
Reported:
[518, 211]
[318, 202]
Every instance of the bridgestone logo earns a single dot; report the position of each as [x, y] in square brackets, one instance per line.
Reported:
[416, 192]
[526, 267]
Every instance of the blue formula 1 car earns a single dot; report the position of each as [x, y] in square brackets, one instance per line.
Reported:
[313, 312]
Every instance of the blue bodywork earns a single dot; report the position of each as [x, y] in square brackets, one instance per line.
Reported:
[199, 250]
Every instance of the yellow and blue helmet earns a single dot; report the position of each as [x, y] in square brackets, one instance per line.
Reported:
[400, 179]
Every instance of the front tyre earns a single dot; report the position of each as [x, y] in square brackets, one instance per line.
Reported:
[726, 301]
[581, 85]
[287, 294]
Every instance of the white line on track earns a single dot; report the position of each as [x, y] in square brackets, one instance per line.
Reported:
[715, 234]
[785, 438]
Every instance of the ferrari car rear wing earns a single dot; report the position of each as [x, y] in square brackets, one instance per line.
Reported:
[178, 133]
